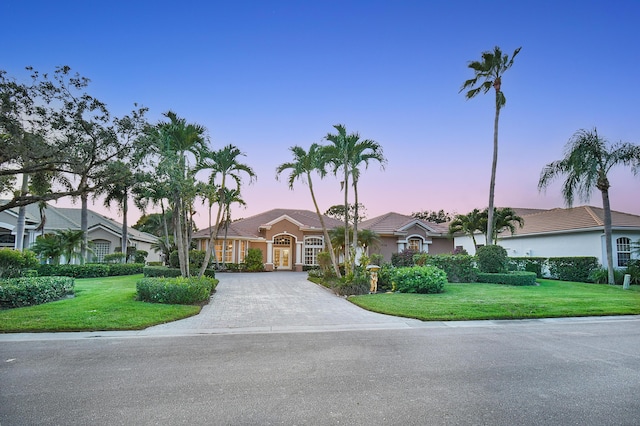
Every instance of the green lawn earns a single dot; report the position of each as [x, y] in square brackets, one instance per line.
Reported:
[494, 301]
[100, 304]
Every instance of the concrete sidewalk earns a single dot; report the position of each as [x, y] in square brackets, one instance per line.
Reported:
[277, 302]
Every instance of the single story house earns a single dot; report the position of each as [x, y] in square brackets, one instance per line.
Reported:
[561, 232]
[104, 234]
[291, 239]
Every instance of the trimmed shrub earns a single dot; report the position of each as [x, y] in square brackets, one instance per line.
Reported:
[14, 263]
[163, 271]
[572, 268]
[529, 264]
[492, 259]
[155, 263]
[403, 259]
[17, 292]
[196, 257]
[460, 268]
[181, 291]
[125, 269]
[420, 279]
[140, 256]
[90, 270]
[117, 257]
[254, 260]
[518, 278]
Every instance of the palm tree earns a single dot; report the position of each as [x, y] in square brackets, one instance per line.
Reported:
[588, 158]
[346, 153]
[303, 164]
[468, 224]
[505, 219]
[489, 72]
[175, 142]
[228, 197]
[71, 242]
[224, 163]
[48, 247]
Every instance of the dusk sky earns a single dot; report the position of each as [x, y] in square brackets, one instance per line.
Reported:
[267, 75]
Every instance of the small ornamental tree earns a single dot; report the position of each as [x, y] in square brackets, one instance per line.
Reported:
[492, 259]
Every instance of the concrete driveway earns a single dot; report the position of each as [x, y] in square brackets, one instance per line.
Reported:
[277, 302]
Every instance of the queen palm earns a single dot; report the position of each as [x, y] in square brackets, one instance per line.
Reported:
[228, 196]
[488, 73]
[588, 158]
[223, 163]
[303, 164]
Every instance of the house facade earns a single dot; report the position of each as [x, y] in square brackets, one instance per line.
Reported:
[104, 234]
[291, 239]
[577, 231]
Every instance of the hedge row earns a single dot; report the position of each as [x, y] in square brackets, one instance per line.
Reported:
[17, 292]
[562, 268]
[419, 279]
[511, 278]
[164, 271]
[90, 270]
[460, 268]
[183, 291]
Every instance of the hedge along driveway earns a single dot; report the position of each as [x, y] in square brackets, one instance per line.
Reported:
[106, 303]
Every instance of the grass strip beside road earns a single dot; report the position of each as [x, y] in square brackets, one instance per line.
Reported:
[99, 304]
[551, 299]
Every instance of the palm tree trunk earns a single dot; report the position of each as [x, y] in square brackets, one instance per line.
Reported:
[325, 232]
[177, 213]
[22, 214]
[347, 266]
[125, 237]
[492, 184]
[84, 226]
[607, 235]
[355, 220]
[166, 231]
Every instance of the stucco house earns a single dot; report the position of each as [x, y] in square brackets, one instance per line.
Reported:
[291, 239]
[398, 232]
[560, 232]
[104, 234]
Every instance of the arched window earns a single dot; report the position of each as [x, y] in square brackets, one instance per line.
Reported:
[415, 244]
[282, 240]
[312, 246]
[623, 246]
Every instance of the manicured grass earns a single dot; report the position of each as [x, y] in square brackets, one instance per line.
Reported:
[494, 301]
[99, 304]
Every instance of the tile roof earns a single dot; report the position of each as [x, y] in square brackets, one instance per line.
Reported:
[572, 220]
[250, 227]
[392, 222]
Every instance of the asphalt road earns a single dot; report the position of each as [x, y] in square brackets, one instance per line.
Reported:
[508, 373]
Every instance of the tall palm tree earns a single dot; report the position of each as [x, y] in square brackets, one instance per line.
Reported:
[175, 143]
[228, 197]
[588, 158]
[489, 71]
[224, 163]
[303, 164]
[346, 152]
[468, 224]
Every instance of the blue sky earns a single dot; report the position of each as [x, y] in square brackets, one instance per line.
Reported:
[266, 75]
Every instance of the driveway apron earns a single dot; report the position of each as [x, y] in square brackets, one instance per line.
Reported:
[277, 302]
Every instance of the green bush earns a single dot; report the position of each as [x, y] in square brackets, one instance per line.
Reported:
[164, 271]
[354, 284]
[572, 268]
[196, 257]
[529, 264]
[155, 263]
[492, 259]
[633, 269]
[385, 277]
[14, 263]
[117, 257]
[254, 260]
[140, 256]
[125, 269]
[181, 291]
[601, 276]
[403, 259]
[508, 278]
[460, 268]
[89, 270]
[420, 279]
[17, 292]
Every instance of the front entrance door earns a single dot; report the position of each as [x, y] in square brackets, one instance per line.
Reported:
[281, 258]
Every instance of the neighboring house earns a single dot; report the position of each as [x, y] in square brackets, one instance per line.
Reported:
[289, 239]
[398, 232]
[577, 231]
[104, 234]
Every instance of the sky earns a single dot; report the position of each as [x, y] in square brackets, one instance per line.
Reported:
[268, 75]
